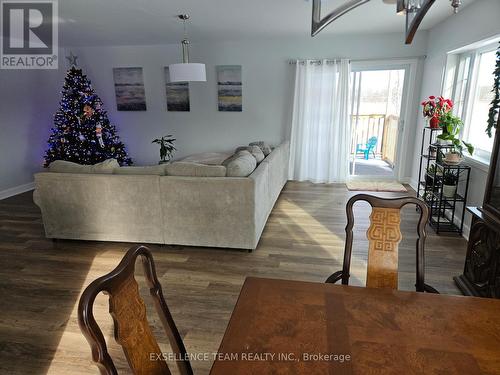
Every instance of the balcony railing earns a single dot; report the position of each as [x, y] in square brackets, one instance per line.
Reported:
[383, 127]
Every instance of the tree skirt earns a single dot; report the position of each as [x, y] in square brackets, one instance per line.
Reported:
[376, 186]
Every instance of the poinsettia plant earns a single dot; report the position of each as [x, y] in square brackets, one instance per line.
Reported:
[436, 107]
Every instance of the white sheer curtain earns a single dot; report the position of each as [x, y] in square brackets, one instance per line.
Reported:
[320, 138]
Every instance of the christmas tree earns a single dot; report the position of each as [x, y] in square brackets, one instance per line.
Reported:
[82, 132]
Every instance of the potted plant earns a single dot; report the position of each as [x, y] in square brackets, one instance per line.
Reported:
[167, 148]
[428, 196]
[432, 171]
[432, 151]
[450, 181]
[451, 126]
[434, 108]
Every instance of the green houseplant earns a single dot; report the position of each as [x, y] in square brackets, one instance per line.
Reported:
[495, 103]
[451, 126]
[167, 148]
[431, 171]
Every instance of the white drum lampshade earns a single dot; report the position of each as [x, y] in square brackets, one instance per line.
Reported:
[187, 72]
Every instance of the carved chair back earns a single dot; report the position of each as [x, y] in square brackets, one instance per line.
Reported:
[384, 236]
[131, 328]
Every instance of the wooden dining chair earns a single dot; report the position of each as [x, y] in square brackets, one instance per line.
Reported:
[384, 235]
[131, 327]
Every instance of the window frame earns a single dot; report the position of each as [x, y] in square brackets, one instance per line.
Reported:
[480, 155]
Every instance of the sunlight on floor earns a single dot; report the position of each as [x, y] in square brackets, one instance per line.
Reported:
[318, 231]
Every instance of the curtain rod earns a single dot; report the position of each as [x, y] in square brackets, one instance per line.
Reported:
[293, 62]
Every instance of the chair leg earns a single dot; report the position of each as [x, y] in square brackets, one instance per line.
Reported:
[367, 155]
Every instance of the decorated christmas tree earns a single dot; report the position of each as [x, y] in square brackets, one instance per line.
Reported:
[82, 132]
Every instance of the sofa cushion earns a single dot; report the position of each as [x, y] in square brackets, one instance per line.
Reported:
[63, 166]
[209, 158]
[241, 164]
[266, 149]
[254, 150]
[195, 170]
[156, 170]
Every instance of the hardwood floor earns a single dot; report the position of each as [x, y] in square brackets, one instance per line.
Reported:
[41, 280]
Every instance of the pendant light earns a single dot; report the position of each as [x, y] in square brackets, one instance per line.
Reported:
[186, 71]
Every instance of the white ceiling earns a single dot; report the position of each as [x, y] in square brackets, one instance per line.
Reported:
[134, 22]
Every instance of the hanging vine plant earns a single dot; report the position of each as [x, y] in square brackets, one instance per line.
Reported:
[495, 103]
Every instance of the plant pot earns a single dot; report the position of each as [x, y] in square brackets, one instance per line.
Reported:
[444, 142]
[449, 191]
[434, 122]
[429, 180]
[453, 158]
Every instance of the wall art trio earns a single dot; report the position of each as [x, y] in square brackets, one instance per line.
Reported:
[131, 95]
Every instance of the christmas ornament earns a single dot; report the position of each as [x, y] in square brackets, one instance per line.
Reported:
[98, 133]
[88, 111]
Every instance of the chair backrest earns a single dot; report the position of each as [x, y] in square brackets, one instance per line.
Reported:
[131, 327]
[384, 235]
[372, 142]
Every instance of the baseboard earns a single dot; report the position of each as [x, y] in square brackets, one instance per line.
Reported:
[413, 184]
[16, 190]
[409, 181]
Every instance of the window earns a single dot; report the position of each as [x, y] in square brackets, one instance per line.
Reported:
[469, 82]
[461, 85]
[480, 99]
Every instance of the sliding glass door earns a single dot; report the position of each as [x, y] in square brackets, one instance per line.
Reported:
[377, 97]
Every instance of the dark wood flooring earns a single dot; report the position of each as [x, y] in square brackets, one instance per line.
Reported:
[41, 280]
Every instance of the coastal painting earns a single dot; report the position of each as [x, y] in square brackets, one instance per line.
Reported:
[229, 88]
[129, 89]
[177, 94]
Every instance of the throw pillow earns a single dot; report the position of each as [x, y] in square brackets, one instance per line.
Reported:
[155, 170]
[266, 149]
[254, 150]
[241, 164]
[195, 170]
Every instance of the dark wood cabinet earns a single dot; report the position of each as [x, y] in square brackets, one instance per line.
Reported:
[481, 276]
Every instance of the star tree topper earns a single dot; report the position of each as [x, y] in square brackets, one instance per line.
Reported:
[72, 59]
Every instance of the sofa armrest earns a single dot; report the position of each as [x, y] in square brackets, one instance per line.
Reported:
[100, 207]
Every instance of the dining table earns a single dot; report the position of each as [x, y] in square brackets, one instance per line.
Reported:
[296, 327]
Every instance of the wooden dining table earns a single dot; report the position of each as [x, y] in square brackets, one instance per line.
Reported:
[294, 327]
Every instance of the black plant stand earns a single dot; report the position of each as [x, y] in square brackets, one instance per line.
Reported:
[443, 210]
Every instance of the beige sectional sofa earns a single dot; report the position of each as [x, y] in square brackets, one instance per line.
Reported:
[195, 211]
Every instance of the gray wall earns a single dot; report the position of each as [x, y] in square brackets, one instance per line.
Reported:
[267, 88]
[28, 99]
[473, 23]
